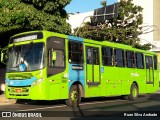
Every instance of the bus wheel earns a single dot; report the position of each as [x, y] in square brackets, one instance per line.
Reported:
[74, 95]
[134, 92]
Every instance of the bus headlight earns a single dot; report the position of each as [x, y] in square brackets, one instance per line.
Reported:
[37, 81]
[40, 80]
[34, 83]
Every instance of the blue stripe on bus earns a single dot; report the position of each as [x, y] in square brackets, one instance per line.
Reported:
[76, 75]
[75, 38]
[20, 82]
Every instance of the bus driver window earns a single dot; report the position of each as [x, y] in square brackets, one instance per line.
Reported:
[56, 58]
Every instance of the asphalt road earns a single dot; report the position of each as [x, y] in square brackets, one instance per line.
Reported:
[97, 107]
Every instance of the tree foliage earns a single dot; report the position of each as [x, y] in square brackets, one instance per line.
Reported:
[104, 3]
[125, 28]
[34, 15]
[23, 15]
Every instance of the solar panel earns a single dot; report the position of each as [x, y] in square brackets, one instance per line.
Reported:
[105, 13]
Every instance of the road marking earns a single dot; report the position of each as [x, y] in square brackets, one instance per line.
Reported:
[43, 108]
[66, 105]
[101, 102]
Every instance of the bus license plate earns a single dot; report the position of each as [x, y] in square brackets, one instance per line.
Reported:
[18, 90]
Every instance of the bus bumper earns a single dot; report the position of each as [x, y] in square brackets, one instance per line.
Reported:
[36, 92]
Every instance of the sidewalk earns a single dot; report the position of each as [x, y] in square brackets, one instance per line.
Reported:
[5, 101]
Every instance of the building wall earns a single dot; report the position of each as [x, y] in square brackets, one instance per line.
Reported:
[147, 25]
[156, 15]
[75, 20]
[156, 20]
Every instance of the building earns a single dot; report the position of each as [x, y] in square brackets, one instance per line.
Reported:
[151, 23]
[76, 19]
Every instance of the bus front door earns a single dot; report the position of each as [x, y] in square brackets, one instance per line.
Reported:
[92, 71]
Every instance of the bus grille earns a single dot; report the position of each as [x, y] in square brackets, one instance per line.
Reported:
[23, 89]
[18, 94]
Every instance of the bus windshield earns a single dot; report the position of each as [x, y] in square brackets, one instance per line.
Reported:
[26, 57]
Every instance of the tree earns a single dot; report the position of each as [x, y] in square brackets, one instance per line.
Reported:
[104, 3]
[23, 15]
[125, 28]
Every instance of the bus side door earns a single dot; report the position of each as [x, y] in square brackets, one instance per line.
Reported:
[93, 71]
[149, 73]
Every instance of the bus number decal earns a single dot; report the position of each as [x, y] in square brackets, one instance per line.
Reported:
[134, 74]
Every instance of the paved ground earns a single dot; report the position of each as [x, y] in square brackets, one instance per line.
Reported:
[4, 100]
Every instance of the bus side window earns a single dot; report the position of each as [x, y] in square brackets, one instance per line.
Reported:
[89, 56]
[130, 59]
[119, 58]
[149, 62]
[95, 57]
[139, 60]
[56, 58]
[155, 62]
[107, 56]
[75, 52]
[49, 58]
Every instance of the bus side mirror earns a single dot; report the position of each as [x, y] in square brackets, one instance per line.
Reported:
[4, 56]
[54, 55]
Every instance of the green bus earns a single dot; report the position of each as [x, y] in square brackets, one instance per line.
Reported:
[45, 65]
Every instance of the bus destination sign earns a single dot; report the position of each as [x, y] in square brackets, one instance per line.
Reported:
[26, 37]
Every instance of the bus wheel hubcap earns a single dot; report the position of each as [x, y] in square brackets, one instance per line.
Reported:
[134, 92]
[74, 96]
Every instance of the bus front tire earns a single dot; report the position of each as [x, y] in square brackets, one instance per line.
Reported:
[133, 92]
[74, 96]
